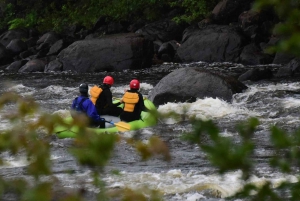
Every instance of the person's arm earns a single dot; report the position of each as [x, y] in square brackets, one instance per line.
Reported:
[141, 102]
[109, 100]
[73, 104]
[92, 111]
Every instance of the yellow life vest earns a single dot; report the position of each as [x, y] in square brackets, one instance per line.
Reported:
[130, 99]
[95, 92]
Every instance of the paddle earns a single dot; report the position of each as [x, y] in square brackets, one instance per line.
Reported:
[121, 126]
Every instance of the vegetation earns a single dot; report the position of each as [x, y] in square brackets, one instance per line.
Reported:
[32, 138]
[30, 135]
[57, 15]
[289, 29]
[227, 156]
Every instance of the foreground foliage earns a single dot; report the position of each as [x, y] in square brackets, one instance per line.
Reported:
[31, 133]
[289, 29]
[228, 156]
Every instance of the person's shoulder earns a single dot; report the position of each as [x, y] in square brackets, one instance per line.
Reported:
[88, 100]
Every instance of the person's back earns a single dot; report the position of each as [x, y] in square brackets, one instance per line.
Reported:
[133, 103]
[82, 104]
[101, 96]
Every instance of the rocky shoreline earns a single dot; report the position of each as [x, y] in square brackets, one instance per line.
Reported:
[232, 33]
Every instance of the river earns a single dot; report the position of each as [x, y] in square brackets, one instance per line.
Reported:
[189, 175]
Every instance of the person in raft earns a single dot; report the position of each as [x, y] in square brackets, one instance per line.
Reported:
[133, 103]
[101, 96]
[83, 105]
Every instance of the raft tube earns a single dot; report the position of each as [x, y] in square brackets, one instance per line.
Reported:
[149, 118]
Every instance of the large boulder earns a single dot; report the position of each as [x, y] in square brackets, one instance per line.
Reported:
[164, 30]
[188, 84]
[253, 55]
[211, 44]
[109, 53]
[35, 65]
[15, 66]
[227, 11]
[6, 37]
[256, 74]
[49, 37]
[290, 69]
[16, 46]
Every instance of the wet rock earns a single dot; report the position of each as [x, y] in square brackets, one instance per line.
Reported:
[136, 26]
[168, 50]
[109, 53]
[35, 65]
[54, 66]
[27, 53]
[284, 72]
[282, 58]
[253, 55]
[50, 37]
[188, 84]
[57, 47]
[256, 74]
[15, 66]
[31, 42]
[291, 69]
[6, 37]
[73, 30]
[164, 30]
[249, 18]
[227, 11]
[211, 44]
[16, 46]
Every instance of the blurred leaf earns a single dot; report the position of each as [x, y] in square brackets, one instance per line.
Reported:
[280, 138]
[94, 149]
[41, 191]
[154, 147]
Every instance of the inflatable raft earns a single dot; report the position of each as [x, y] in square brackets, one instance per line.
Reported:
[148, 119]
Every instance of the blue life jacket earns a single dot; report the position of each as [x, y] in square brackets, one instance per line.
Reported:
[78, 105]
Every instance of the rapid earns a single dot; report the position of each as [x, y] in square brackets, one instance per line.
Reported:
[189, 175]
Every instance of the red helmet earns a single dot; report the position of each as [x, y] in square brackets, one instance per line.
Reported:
[108, 80]
[134, 84]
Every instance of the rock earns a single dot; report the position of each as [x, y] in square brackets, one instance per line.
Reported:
[227, 11]
[50, 37]
[6, 37]
[35, 65]
[282, 58]
[211, 44]
[256, 74]
[253, 55]
[54, 66]
[167, 49]
[290, 69]
[164, 30]
[15, 66]
[57, 47]
[190, 83]
[16, 46]
[109, 53]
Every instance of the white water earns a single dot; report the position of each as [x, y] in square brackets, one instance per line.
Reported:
[182, 184]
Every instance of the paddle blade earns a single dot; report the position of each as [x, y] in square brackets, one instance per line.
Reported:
[122, 126]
